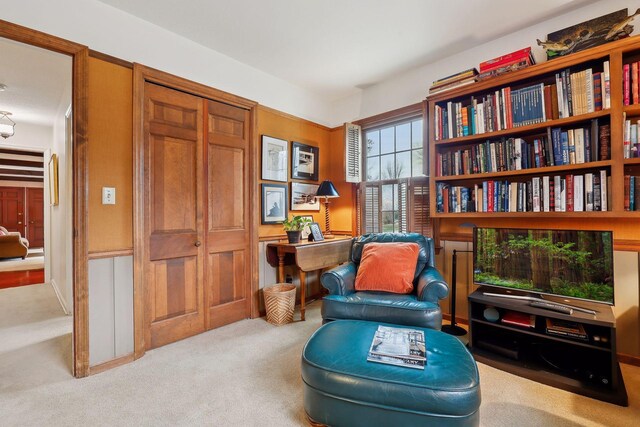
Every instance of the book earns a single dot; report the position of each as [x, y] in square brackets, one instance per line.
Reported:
[399, 347]
[519, 319]
[506, 59]
[566, 328]
[455, 77]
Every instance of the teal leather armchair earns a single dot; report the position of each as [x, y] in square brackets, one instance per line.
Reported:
[420, 308]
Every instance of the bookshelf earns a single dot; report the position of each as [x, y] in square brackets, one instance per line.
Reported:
[520, 179]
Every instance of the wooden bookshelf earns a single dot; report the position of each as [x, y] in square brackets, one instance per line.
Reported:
[617, 53]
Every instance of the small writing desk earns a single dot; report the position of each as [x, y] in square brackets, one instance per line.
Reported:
[308, 256]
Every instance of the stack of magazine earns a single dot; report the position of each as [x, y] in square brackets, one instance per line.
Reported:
[399, 347]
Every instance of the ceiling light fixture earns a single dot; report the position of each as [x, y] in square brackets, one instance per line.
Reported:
[6, 125]
[3, 87]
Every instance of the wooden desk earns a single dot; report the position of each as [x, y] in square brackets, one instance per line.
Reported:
[308, 256]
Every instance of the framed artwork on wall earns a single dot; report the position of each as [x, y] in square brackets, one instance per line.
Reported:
[53, 180]
[274, 203]
[275, 157]
[303, 197]
[304, 161]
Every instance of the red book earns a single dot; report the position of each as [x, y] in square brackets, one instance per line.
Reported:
[445, 199]
[634, 82]
[519, 319]
[569, 195]
[504, 59]
[597, 91]
[490, 196]
[507, 92]
[627, 192]
[625, 84]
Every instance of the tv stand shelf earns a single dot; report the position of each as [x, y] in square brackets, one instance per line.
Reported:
[584, 366]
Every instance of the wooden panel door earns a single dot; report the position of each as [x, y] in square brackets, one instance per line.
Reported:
[228, 222]
[35, 217]
[174, 176]
[12, 209]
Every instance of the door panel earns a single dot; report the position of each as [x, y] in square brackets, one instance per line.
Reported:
[12, 209]
[35, 217]
[174, 175]
[228, 224]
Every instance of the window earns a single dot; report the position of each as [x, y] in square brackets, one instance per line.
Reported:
[395, 194]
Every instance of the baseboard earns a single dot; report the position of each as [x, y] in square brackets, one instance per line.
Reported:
[459, 319]
[61, 300]
[110, 364]
[629, 359]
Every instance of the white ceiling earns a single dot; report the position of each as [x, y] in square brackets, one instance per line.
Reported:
[36, 81]
[335, 47]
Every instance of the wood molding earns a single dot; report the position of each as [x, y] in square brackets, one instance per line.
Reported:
[413, 110]
[80, 54]
[110, 254]
[292, 117]
[113, 363]
[108, 58]
[629, 359]
[626, 245]
[22, 152]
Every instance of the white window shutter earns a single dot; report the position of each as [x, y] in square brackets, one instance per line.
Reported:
[403, 208]
[353, 155]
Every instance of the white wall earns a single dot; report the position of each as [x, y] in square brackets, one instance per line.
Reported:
[28, 135]
[109, 30]
[59, 231]
[413, 86]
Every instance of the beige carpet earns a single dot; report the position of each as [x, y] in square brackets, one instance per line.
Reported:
[245, 374]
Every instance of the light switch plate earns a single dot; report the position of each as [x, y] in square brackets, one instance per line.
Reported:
[108, 196]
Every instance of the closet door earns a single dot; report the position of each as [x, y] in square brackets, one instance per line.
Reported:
[228, 222]
[35, 217]
[12, 209]
[174, 232]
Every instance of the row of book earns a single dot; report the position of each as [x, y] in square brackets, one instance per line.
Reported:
[631, 193]
[399, 347]
[460, 79]
[631, 147]
[570, 193]
[572, 146]
[630, 83]
[572, 94]
[558, 327]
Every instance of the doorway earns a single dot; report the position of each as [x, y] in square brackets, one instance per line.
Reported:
[72, 245]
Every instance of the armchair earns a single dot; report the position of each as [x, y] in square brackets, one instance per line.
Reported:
[12, 244]
[419, 308]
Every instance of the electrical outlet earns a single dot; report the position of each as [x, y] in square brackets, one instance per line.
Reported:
[108, 196]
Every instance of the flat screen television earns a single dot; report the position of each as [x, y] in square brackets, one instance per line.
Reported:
[566, 263]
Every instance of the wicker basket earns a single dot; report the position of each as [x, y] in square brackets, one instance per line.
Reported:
[280, 300]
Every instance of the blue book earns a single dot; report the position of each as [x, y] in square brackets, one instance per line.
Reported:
[557, 146]
[632, 193]
[564, 139]
[485, 192]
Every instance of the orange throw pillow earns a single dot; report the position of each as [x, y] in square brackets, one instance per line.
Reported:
[387, 267]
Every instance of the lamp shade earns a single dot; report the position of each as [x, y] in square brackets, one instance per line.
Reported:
[327, 189]
[6, 124]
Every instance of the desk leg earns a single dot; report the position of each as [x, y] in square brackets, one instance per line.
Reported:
[280, 268]
[303, 292]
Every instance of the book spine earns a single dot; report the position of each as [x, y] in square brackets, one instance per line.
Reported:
[604, 191]
[504, 59]
[626, 91]
[578, 193]
[569, 192]
[634, 83]
[597, 91]
[545, 194]
[589, 90]
[567, 79]
[607, 86]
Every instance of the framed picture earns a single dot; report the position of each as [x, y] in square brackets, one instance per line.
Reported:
[304, 161]
[315, 232]
[53, 180]
[303, 197]
[306, 231]
[274, 203]
[275, 156]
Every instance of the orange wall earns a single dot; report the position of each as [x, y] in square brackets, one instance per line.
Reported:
[331, 157]
[109, 155]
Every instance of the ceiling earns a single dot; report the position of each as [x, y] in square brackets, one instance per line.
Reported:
[36, 80]
[335, 47]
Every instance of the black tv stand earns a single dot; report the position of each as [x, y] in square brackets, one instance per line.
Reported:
[586, 365]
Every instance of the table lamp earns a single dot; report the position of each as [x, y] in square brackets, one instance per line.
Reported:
[327, 190]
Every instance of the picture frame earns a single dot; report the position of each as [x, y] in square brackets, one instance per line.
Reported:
[304, 161]
[275, 159]
[53, 180]
[303, 197]
[316, 233]
[274, 203]
[306, 231]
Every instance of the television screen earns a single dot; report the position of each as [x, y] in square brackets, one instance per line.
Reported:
[567, 263]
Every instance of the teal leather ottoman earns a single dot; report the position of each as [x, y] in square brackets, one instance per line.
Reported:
[341, 388]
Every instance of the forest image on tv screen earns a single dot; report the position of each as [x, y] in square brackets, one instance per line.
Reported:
[572, 263]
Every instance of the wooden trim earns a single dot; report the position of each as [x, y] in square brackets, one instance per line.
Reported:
[626, 245]
[24, 163]
[171, 81]
[21, 172]
[141, 75]
[255, 200]
[80, 54]
[292, 117]
[20, 178]
[110, 254]
[461, 320]
[413, 110]
[22, 152]
[629, 359]
[113, 363]
[108, 58]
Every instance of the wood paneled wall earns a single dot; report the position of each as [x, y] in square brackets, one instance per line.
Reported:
[284, 126]
[110, 151]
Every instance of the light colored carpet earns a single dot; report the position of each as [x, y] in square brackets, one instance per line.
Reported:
[245, 374]
[34, 261]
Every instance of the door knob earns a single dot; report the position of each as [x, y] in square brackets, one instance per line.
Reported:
[197, 244]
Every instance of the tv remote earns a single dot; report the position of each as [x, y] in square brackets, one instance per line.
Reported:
[552, 306]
